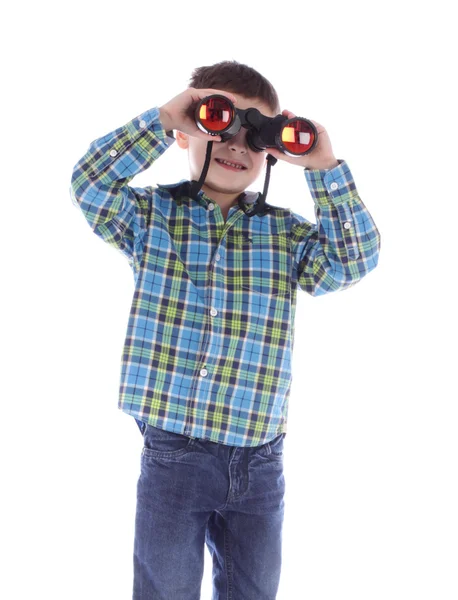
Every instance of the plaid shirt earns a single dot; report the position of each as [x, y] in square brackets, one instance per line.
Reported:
[210, 335]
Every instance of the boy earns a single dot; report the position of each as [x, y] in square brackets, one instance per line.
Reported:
[206, 366]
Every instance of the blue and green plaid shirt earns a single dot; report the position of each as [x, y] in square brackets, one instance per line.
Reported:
[209, 340]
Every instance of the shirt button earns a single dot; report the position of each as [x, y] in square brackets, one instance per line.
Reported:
[217, 257]
[142, 124]
[113, 152]
[204, 372]
[334, 185]
[347, 225]
[211, 207]
[213, 312]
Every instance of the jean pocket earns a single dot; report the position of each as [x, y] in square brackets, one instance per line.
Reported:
[273, 449]
[161, 443]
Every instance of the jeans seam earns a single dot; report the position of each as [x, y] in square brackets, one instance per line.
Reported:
[228, 565]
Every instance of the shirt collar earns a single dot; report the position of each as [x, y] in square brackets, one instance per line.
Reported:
[182, 188]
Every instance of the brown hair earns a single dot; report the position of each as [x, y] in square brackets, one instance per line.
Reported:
[235, 77]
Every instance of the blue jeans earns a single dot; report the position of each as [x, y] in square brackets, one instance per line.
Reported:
[191, 492]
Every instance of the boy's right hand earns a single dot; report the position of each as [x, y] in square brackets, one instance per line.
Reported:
[178, 113]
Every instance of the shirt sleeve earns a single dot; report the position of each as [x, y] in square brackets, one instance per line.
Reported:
[344, 244]
[117, 212]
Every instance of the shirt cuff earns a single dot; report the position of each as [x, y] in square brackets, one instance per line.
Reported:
[130, 148]
[331, 186]
[150, 120]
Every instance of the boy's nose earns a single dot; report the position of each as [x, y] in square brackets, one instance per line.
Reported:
[238, 142]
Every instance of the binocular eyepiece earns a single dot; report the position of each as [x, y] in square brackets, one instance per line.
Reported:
[217, 115]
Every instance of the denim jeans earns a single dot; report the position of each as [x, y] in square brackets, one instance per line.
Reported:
[193, 492]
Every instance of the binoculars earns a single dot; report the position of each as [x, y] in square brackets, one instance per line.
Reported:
[217, 115]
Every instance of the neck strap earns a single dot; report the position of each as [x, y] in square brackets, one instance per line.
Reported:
[260, 208]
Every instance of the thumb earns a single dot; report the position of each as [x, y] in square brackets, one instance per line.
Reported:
[273, 151]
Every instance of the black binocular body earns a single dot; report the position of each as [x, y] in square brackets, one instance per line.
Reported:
[217, 115]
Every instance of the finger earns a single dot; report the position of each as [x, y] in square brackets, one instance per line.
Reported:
[273, 151]
[208, 137]
[210, 91]
[288, 113]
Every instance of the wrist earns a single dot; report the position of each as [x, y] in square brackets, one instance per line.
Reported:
[330, 163]
[165, 119]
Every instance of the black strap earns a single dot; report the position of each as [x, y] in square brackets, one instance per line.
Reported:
[196, 185]
[260, 208]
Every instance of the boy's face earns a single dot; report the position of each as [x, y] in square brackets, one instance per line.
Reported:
[220, 183]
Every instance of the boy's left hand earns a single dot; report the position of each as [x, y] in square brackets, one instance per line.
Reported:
[321, 157]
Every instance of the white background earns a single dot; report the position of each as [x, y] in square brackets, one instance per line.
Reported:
[371, 449]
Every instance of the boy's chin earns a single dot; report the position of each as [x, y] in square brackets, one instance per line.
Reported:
[222, 184]
[224, 187]
[228, 185]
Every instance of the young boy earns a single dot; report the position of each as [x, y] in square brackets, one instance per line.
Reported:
[206, 366]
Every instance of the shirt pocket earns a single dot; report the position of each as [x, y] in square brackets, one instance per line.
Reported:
[262, 264]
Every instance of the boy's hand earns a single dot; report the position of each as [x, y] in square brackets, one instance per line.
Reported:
[178, 113]
[321, 157]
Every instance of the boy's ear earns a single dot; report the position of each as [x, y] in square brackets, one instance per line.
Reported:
[182, 139]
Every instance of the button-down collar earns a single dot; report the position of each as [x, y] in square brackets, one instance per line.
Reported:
[182, 189]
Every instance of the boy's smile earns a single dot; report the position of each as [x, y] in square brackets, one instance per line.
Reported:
[224, 183]
[233, 165]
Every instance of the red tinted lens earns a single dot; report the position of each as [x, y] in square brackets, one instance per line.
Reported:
[216, 114]
[297, 136]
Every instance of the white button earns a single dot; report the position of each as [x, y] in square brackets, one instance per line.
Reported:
[113, 152]
[142, 124]
[213, 312]
[217, 257]
[334, 185]
[347, 225]
[204, 372]
[211, 207]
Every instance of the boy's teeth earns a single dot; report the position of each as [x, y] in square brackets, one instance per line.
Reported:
[225, 162]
